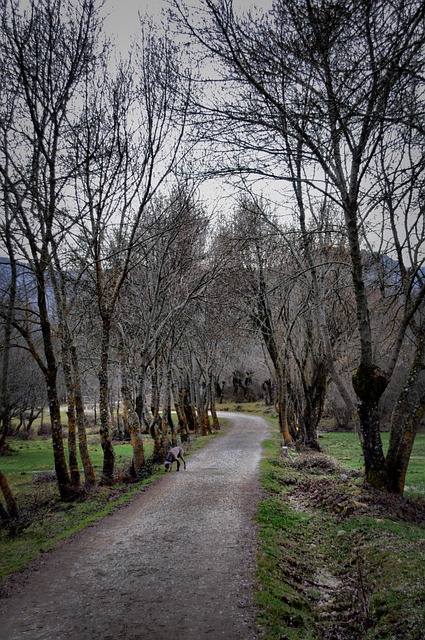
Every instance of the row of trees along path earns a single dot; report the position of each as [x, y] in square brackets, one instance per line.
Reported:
[113, 271]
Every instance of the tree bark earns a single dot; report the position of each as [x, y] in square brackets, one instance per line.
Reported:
[72, 442]
[215, 420]
[134, 428]
[89, 475]
[157, 427]
[167, 402]
[264, 323]
[72, 425]
[64, 483]
[282, 405]
[405, 420]
[369, 381]
[57, 280]
[181, 417]
[5, 408]
[315, 394]
[369, 384]
[11, 504]
[188, 407]
[50, 374]
[105, 439]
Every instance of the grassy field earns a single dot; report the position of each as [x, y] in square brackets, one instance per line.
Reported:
[32, 457]
[345, 447]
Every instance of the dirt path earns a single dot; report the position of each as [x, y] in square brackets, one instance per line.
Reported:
[177, 562]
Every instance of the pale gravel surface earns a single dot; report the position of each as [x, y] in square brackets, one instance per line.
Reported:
[177, 562]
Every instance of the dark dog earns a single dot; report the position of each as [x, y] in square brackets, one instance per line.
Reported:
[174, 455]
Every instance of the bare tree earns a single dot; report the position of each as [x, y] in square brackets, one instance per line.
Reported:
[328, 84]
[127, 395]
[65, 302]
[127, 144]
[400, 174]
[280, 299]
[172, 274]
[11, 510]
[45, 51]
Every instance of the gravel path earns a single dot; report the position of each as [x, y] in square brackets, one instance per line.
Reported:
[177, 562]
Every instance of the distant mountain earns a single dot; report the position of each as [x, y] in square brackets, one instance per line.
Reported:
[26, 284]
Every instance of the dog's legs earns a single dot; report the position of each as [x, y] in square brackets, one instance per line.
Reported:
[184, 463]
[178, 464]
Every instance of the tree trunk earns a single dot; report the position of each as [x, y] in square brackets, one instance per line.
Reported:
[5, 408]
[64, 483]
[216, 423]
[205, 421]
[405, 420]
[72, 442]
[33, 415]
[317, 286]
[263, 320]
[50, 374]
[132, 419]
[403, 432]
[369, 381]
[170, 421]
[167, 402]
[189, 410]
[281, 403]
[134, 428]
[65, 341]
[89, 474]
[183, 428]
[156, 428]
[369, 385]
[111, 405]
[283, 421]
[72, 427]
[11, 504]
[105, 440]
[165, 438]
[181, 417]
[202, 408]
[315, 394]
[158, 449]
[141, 404]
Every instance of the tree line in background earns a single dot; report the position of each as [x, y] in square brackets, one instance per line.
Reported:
[114, 271]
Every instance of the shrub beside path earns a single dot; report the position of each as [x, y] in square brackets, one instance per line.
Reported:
[177, 561]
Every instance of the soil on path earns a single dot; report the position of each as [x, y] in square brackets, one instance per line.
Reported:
[177, 562]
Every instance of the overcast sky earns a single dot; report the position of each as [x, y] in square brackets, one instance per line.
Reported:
[122, 20]
[122, 23]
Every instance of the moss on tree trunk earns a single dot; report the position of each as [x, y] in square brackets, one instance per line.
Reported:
[369, 384]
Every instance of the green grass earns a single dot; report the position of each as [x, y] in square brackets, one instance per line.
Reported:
[326, 571]
[34, 456]
[345, 447]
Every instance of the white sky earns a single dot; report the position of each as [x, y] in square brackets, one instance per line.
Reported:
[122, 20]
